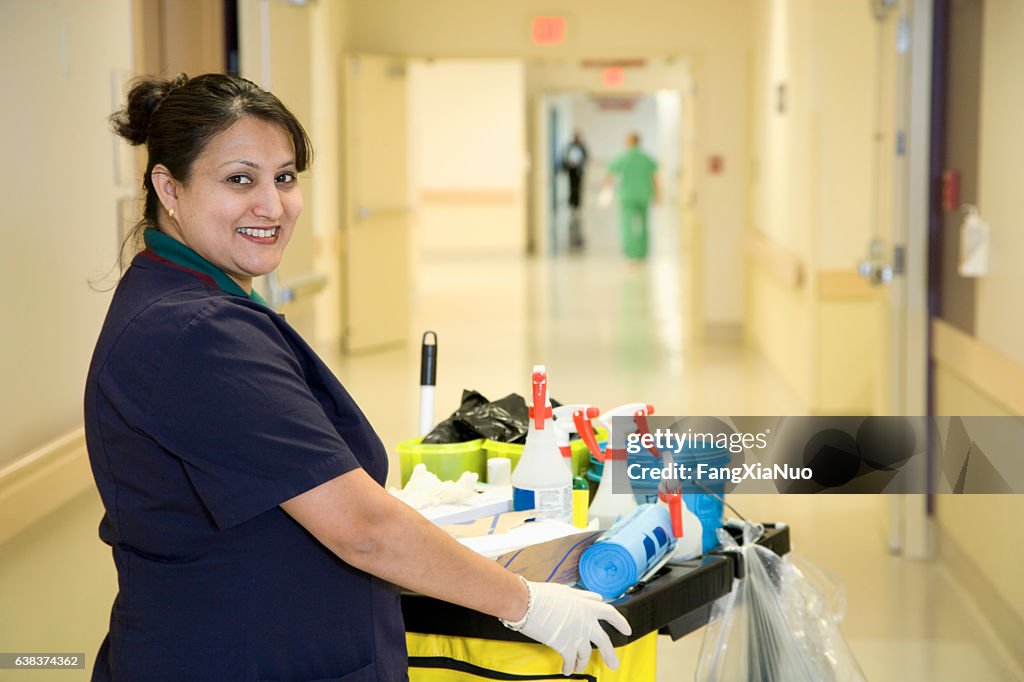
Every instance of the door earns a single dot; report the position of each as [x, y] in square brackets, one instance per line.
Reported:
[185, 36]
[376, 242]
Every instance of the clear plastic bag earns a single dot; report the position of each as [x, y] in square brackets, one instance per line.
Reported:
[780, 623]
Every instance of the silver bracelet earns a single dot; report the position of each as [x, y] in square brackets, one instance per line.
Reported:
[518, 625]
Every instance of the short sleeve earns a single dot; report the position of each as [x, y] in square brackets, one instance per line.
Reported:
[231, 401]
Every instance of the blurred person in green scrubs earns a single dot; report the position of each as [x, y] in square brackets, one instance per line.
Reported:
[638, 186]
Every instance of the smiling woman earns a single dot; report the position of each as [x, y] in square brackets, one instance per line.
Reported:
[177, 120]
[242, 485]
[239, 207]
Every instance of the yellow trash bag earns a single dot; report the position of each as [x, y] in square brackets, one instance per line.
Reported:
[440, 658]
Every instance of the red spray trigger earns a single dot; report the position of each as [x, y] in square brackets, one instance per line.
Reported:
[675, 510]
[670, 492]
[640, 417]
[581, 421]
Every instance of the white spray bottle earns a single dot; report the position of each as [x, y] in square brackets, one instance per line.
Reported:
[540, 480]
[570, 419]
[608, 505]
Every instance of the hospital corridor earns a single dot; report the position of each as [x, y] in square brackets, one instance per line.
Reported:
[820, 167]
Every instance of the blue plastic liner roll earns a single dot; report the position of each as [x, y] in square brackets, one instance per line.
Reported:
[621, 556]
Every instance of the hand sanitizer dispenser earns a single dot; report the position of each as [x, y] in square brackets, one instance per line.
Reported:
[974, 245]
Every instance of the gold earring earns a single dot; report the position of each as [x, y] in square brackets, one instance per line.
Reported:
[170, 213]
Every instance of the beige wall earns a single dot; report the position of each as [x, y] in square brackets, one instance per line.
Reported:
[780, 320]
[722, 111]
[1000, 168]
[817, 197]
[469, 28]
[848, 351]
[779, 324]
[59, 223]
[469, 114]
[468, 155]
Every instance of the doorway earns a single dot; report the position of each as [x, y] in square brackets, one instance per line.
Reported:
[602, 122]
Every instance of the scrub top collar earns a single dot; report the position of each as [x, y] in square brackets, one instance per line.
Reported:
[181, 255]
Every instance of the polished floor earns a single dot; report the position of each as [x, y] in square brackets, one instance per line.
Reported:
[609, 332]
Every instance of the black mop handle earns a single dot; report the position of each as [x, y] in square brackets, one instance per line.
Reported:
[428, 379]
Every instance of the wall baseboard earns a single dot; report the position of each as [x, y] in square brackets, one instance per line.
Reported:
[1006, 625]
[42, 481]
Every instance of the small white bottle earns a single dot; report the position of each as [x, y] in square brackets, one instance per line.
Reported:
[541, 480]
[608, 506]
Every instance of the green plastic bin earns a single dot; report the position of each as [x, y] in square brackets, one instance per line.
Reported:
[580, 454]
[447, 461]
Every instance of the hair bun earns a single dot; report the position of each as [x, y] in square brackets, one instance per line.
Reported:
[144, 98]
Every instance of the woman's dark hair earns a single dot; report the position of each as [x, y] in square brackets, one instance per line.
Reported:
[177, 117]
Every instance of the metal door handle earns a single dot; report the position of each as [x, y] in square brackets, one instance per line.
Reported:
[876, 268]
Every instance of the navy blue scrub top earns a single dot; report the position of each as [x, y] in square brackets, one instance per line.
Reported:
[204, 411]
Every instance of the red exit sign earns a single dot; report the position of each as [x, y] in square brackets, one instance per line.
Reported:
[548, 30]
[613, 76]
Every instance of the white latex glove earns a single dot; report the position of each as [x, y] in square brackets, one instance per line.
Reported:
[566, 619]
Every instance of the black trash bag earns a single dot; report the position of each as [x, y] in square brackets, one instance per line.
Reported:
[505, 420]
[453, 429]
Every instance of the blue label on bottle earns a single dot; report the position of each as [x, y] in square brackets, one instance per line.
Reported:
[522, 500]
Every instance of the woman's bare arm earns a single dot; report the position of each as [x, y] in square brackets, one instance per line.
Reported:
[368, 528]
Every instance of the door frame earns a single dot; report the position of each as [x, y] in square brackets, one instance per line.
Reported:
[911, 518]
